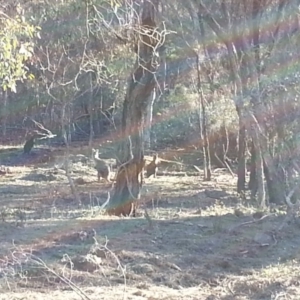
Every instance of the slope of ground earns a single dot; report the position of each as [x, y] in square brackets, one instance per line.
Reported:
[200, 242]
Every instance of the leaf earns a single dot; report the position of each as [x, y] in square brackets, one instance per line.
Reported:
[13, 87]
[31, 76]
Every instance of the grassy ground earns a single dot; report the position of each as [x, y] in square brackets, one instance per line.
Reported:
[202, 242]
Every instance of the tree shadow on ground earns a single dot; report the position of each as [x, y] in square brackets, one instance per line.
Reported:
[194, 238]
[15, 157]
[196, 198]
[180, 251]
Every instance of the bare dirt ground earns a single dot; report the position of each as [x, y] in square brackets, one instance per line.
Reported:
[202, 242]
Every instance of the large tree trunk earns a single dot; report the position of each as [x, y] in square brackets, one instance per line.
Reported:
[275, 182]
[140, 87]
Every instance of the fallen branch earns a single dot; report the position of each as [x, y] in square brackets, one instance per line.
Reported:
[250, 222]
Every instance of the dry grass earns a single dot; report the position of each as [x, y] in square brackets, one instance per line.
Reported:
[199, 247]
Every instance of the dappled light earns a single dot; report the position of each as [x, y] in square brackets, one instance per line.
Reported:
[150, 150]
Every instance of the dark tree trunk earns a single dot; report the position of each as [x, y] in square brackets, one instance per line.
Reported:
[241, 155]
[29, 145]
[141, 84]
[259, 169]
[203, 126]
[252, 185]
[4, 112]
[275, 185]
[148, 121]
[90, 112]
[206, 152]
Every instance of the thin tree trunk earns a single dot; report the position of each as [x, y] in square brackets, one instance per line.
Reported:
[4, 113]
[90, 105]
[203, 126]
[148, 121]
[252, 185]
[226, 145]
[259, 172]
[206, 151]
[67, 165]
[241, 154]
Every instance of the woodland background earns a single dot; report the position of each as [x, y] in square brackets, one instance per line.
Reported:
[223, 90]
[227, 77]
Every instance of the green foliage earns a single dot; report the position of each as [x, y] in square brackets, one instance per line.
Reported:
[175, 129]
[221, 113]
[179, 115]
[16, 47]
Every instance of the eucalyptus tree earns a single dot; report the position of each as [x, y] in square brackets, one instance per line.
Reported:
[148, 38]
[17, 40]
[250, 32]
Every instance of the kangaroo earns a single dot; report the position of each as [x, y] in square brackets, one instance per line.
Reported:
[101, 166]
[151, 169]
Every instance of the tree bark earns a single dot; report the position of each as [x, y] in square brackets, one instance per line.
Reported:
[241, 154]
[259, 172]
[275, 184]
[90, 108]
[148, 121]
[252, 185]
[126, 192]
[4, 112]
[202, 126]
